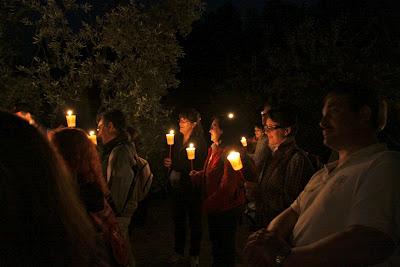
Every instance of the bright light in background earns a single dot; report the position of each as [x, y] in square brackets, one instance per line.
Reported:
[231, 115]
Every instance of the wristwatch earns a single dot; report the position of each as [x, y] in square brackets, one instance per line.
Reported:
[281, 257]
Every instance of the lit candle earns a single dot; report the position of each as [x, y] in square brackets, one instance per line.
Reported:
[71, 119]
[190, 151]
[170, 138]
[243, 141]
[93, 137]
[231, 115]
[234, 159]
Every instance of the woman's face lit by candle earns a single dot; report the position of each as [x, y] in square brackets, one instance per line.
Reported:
[276, 133]
[215, 131]
[186, 126]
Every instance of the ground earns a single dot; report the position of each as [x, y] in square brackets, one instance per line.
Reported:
[153, 241]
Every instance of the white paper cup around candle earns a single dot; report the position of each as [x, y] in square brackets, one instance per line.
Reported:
[71, 119]
[243, 141]
[170, 138]
[234, 159]
[191, 151]
[92, 137]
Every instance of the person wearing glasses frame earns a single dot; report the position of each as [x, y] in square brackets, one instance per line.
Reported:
[285, 173]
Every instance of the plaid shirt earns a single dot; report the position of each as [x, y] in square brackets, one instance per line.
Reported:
[283, 178]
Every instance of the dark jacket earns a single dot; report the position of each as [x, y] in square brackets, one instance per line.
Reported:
[118, 158]
[283, 178]
[181, 164]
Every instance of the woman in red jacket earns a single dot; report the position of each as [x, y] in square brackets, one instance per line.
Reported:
[223, 189]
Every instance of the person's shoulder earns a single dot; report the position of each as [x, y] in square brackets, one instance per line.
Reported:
[299, 155]
[124, 148]
[386, 159]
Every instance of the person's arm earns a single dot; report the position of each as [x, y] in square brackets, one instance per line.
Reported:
[356, 246]
[121, 176]
[201, 154]
[284, 223]
[263, 246]
[196, 177]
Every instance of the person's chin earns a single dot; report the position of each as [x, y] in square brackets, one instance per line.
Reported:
[330, 141]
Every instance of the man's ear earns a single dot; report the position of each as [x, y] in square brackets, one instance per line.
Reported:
[365, 114]
[111, 126]
[288, 130]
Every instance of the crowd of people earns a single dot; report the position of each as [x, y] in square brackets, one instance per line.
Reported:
[68, 203]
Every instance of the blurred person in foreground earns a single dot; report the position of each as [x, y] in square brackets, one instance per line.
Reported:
[82, 158]
[349, 212]
[43, 222]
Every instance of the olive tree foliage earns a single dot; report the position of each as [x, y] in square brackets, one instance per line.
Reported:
[119, 56]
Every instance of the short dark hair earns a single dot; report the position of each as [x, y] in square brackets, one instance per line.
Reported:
[359, 95]
[285, 116]
[190, 114]
[259, 125]
[117, 117]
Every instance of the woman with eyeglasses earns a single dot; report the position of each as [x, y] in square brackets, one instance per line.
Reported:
[286, 173]
[186, 198]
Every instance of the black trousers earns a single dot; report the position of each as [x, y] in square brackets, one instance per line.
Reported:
[222, 228]
[186, 208]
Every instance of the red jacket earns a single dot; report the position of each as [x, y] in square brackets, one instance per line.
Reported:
[223, 186]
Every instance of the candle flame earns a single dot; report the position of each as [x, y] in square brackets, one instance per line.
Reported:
[233, 154]
[191, 145]
[243, 138]
[171, 132]
[69, 112]
[231, 115]
[91, 133]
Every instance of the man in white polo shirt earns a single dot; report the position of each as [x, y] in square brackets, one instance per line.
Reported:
[349, 213]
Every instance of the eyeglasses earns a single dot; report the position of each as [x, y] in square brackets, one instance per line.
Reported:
[100, 126]
[270, 128]
[183, 121]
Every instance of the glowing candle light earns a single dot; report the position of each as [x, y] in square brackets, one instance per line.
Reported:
[71, 119]
[234, 159]
[92, 137]
[231, 115]
[190, 151]
[243, 141]
[170, 138]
